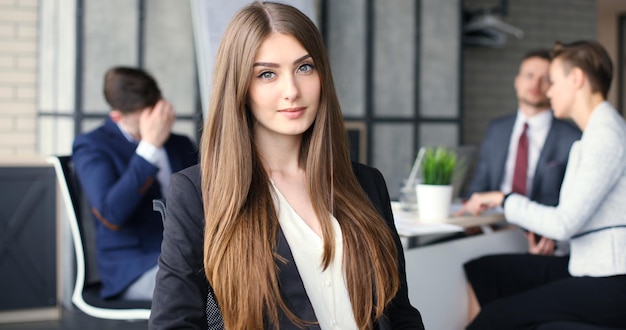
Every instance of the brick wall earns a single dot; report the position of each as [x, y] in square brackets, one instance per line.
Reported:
[18, 77]
[488, 73]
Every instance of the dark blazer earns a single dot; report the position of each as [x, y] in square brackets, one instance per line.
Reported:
[550, 166]
[120, 187]
[180, 295]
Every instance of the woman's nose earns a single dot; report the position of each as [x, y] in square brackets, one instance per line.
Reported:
[290, 88]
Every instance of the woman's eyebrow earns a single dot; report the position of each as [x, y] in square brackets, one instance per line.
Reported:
[301, 58]
[274, 65]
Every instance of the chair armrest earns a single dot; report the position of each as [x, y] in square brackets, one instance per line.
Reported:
[158, 205]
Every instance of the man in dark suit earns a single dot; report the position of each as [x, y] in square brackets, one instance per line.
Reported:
[548, 141]
[122, 166]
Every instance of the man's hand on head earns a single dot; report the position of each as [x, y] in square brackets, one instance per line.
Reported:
[155, 124]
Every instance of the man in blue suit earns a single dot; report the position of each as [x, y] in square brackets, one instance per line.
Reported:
[549, 142]
[122, 166]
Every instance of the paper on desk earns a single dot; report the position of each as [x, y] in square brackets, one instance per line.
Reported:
[494, 210]
[407, 225]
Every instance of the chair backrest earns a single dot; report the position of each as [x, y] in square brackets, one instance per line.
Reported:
[86, 289]
[84, 220]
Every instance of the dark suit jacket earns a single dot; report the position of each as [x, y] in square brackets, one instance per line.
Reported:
[180, 294]
[550, 166]
[120, 187]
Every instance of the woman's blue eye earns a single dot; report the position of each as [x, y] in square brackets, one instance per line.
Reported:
[267, 75]
[306, 67]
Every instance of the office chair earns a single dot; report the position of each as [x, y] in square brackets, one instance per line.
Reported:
[86, 293]
[158, 205]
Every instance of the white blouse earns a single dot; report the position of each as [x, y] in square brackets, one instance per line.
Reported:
[326, 289]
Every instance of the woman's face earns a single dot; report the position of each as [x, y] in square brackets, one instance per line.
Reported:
[561, 92]
[285, 88]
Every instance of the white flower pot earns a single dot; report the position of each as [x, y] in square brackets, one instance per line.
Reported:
[433, 203]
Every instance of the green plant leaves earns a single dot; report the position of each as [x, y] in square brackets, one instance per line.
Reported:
[438, 166]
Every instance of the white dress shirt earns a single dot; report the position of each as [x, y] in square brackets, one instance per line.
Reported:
[155, 156]
[326, 289]
[538, 129]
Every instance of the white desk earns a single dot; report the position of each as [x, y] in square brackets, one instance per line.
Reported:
[409, 224]
[412, 230]
[435, 276]
[436, 280]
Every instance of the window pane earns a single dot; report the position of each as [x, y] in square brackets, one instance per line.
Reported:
[110, 39]
[346, 48]
[393, 153]
[394, 56]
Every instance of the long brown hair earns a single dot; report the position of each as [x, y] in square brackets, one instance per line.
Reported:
[241, 223]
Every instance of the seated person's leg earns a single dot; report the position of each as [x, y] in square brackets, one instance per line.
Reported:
[567, 325]
[143, 287]
[496, 276]
[595, 301]
[473, 305]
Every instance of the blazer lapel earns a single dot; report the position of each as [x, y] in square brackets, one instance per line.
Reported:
[546, 151]
[291, 286]
[119, 140]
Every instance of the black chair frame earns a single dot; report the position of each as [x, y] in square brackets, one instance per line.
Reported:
[86, 293]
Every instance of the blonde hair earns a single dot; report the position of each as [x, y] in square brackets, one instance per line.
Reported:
[241, 223]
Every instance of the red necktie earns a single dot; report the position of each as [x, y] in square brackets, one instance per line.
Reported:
[521, 164]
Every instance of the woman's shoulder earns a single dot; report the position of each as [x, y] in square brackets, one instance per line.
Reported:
[192, 173]
[371, 180]
[364, 172]
[606, 129]
[189, 176]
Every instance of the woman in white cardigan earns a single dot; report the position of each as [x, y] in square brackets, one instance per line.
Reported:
[525, 291]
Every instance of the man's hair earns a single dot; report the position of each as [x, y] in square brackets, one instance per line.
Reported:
[591, 58]
[540, 53]
[129, 89]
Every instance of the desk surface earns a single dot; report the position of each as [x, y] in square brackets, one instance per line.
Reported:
[466, 221]
[408, 223]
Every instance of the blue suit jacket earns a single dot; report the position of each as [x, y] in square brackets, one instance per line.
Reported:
[120, 187]
[550, 166]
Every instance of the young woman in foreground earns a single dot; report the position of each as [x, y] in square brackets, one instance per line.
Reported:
[275, 225]
[534, 292]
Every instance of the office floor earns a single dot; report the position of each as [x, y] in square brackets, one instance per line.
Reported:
[76, 320]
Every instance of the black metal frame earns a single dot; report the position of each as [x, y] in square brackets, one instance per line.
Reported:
[369, 118]
[80, 115]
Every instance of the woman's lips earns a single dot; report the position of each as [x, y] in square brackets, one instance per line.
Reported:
[293, 113]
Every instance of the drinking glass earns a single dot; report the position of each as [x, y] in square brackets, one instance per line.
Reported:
[408, 196]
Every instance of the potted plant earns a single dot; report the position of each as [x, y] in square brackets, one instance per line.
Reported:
[434, 193]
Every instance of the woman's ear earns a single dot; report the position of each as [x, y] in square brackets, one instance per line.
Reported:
[116, 116]
[578, 77]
